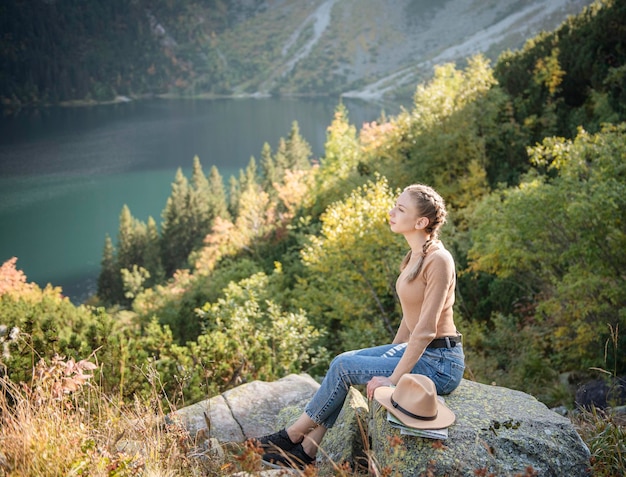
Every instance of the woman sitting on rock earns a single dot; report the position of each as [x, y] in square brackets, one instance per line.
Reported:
[426, 342]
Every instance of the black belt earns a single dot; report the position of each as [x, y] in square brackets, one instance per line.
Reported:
[447, 342]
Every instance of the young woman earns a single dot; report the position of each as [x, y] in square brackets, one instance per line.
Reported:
[426, 342]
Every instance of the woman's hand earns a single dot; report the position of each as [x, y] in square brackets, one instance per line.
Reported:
[376, 382]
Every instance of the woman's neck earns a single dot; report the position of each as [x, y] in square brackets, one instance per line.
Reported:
[416, 242]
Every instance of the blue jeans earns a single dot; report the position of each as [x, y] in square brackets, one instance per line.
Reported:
[443, 365]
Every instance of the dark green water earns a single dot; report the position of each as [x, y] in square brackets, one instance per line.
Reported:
[65, 174]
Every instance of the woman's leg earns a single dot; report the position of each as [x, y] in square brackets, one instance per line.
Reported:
[306, 431]
[313, 440]
[443, 366]
[349, 369]
[301, 427]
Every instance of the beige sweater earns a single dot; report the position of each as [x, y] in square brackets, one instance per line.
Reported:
[426, 307]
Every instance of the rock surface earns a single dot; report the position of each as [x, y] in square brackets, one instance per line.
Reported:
[497, 430]
[248, 410]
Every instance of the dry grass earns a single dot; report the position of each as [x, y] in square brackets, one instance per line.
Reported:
[604, 432]
[61, 424]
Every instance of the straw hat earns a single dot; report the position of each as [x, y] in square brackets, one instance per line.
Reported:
[414, 402]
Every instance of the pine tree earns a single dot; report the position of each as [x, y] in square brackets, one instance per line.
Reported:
[269, 174]
[176, 242]
[217, 194]
[298, 150]
[281, 159]
[200, 213]
[131, 240]
[109, 281]
[234, 191]
[339, 162]
[248, 178]
[152, 254]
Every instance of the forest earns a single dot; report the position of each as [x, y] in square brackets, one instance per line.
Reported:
[277, 270]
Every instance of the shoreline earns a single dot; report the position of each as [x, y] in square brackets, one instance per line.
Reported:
[12, 108]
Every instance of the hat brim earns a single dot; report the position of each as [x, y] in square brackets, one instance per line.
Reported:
[445, 417]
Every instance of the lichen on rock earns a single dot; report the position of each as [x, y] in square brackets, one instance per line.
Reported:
[499, 430]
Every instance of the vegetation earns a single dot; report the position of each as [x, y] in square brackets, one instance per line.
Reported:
[293, 262]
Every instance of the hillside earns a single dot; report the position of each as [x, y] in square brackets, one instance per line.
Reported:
[54, 51]
[374, 47]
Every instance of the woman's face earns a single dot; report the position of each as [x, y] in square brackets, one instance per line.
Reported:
[404, 216]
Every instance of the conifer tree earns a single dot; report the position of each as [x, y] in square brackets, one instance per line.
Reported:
[109, 281]
[234, 191]
[176, 241]
[217, 195]
[198, 179]
[131, 240]
[133, 244]
[152, 253]
[269, 175]
[292, 154]
[200, 213]
[340, 161]
[254, 215]
[281, 159]
[298, 150]
[249, 177]
[188, 217]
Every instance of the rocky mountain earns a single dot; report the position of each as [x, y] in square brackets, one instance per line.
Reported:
[55, 51]
[370, 48]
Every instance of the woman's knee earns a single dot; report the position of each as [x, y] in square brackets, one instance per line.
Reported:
[340, 365]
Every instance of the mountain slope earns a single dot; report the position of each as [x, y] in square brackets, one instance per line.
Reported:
[374, 47]
[57, 51]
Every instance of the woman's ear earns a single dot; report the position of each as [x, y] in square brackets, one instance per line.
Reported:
[422, 223]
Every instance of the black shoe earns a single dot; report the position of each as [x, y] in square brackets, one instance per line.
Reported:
[278, 440]
[296, 458]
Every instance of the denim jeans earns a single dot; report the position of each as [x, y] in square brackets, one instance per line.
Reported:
[443, 365]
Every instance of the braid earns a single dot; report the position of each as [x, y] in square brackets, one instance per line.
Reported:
[432, 206]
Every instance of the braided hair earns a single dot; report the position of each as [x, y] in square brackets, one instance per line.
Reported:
[430, 205]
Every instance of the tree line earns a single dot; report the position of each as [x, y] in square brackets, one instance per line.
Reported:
[145, 254]
[55, 51]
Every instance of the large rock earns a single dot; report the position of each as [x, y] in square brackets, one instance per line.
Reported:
[497, 430]
[602, 393]
[248, 410]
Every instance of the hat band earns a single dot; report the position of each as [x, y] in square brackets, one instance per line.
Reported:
[410, 414]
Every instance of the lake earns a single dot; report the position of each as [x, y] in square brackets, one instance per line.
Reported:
[66, 173]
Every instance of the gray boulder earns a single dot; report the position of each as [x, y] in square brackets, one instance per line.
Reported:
[497, 431]
[248, 410]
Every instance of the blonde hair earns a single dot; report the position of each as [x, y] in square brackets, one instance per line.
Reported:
[430, 205]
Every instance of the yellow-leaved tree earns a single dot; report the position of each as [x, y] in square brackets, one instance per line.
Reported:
[351, 269]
